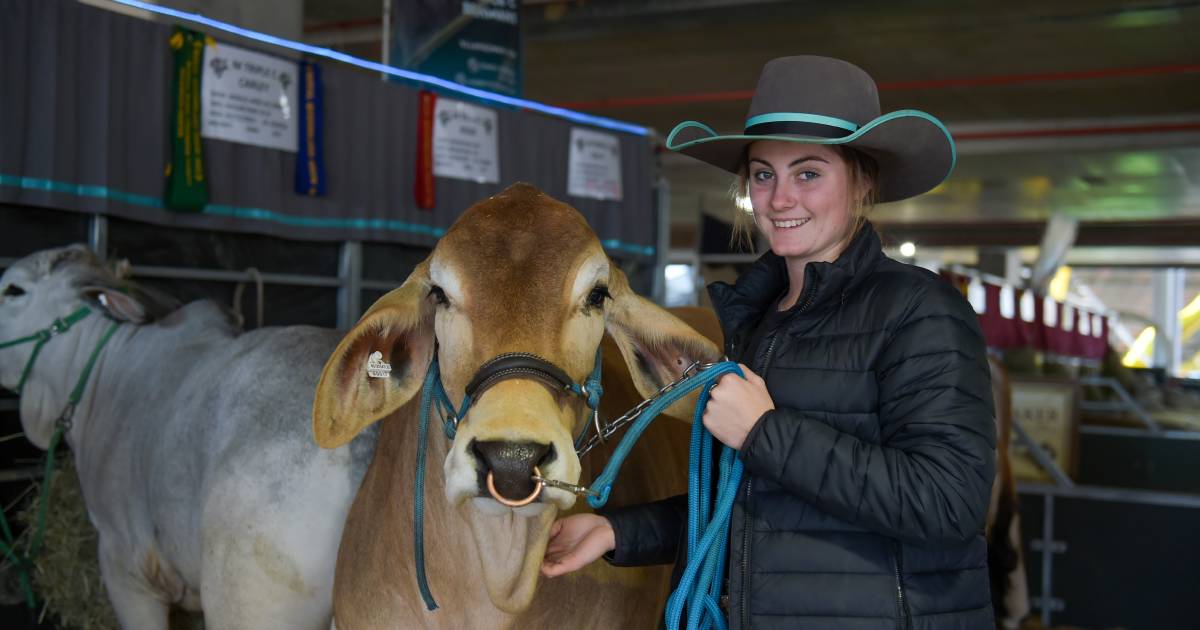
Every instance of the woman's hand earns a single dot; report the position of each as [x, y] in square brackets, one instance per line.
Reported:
[575, 542]
[734, 405]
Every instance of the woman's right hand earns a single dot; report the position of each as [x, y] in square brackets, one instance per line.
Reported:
[575, 542]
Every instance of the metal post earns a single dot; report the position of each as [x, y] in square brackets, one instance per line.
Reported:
[1168, 300]
[98, 235]
[350, 289]
[1047, 557]
[663, 202]
[385, 50]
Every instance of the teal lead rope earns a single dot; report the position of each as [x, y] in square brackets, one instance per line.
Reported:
[700, 586]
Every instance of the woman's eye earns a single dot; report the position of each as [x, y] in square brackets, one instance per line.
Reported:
[13, 290]
[597, 296]
[807, 176]
[762, 176]
[439, 296]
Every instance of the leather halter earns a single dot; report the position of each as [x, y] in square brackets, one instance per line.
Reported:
[522, 365]
[516, 365]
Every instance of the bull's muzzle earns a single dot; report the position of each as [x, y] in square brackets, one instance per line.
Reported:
[510, 468]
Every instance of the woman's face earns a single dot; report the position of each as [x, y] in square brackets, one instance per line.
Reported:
[801, 198]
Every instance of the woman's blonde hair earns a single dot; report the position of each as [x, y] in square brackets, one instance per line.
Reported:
[862, 168]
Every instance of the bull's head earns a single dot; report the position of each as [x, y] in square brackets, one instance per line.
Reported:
[519, 272]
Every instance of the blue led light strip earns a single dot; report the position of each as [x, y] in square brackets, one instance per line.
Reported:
[450, 86]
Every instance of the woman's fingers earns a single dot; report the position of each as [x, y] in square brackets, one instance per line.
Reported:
[751, 376]
[586, 552]
[580, 540]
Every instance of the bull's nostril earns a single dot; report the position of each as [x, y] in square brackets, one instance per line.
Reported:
[511, 465]
[550, 456]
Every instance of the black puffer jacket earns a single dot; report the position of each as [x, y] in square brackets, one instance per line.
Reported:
[867, 487]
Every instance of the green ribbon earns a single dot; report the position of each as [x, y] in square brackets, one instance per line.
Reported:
[187, 187]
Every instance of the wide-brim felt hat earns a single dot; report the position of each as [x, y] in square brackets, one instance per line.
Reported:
[819, 100]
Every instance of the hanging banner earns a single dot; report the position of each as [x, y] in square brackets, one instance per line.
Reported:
[250, 98]
[594, 166]
[424, 190]
[187, 189]
[310, 159]
[464, 142]
[472, 42]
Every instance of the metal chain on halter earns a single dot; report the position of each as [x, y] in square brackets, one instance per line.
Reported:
[604, 431]
[609, 429]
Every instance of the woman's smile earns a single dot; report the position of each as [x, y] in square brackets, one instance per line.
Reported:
[789, 224]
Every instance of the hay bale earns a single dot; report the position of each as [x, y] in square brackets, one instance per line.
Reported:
[66, 574]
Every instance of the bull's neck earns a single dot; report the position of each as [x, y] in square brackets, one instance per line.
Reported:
[58, 370]
[451, 558]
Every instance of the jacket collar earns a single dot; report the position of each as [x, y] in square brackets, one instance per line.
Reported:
[743, 303]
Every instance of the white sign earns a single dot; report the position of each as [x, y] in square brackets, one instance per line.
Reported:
[594, 170]
[248, 97]
[464, 142]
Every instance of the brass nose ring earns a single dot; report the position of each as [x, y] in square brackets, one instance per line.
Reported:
[537, 491]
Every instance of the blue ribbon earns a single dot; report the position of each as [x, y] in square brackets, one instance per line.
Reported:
[310, 152]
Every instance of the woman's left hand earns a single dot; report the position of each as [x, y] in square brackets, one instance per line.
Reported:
[734, 406]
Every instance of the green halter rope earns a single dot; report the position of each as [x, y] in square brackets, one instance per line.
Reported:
[57, 327]
[24, 561]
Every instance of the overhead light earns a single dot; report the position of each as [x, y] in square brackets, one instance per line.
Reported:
[908, 250]
[674, 272]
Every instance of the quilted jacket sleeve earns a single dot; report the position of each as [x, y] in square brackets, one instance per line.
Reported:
[648, 533]
[929, 480]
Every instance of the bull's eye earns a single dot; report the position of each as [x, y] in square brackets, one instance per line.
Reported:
[597, 296]
[13, 290]
[439, 296]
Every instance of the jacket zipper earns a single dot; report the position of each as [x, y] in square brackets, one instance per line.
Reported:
[905, 621]
[811, 283]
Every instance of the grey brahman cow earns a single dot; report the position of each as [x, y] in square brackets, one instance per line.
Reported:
[192, 444]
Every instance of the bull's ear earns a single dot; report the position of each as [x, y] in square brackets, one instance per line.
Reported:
[398, 331]
[119, 305]
[657, 346]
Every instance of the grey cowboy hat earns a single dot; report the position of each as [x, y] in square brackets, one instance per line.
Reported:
[819, 100]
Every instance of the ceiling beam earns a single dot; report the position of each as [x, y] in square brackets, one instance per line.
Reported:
[907, 85]
[1002, 233]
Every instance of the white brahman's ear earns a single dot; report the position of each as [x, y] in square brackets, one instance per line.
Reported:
[397, 331]
[119, 305]
[657, 346]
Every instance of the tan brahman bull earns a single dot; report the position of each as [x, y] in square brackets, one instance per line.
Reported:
[517, 273]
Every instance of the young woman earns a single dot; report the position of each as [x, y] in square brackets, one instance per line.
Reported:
[865, 418]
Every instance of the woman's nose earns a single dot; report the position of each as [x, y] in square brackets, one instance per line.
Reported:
[784, 198]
